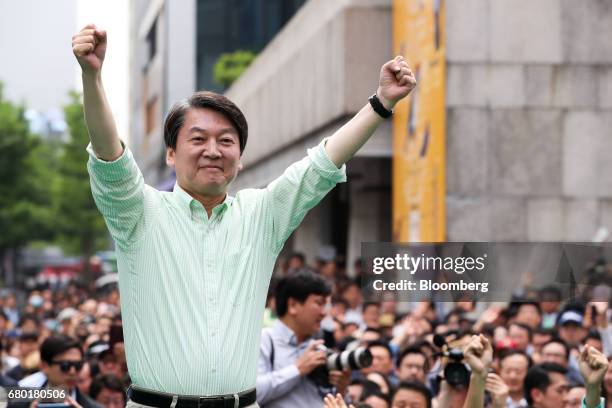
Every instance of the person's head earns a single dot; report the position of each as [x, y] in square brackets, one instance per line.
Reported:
[513, 366]
[108, 390]
[550, 299]
[352, 295]
[29, 323]
[573, 398]
[541, 337]
[382, 358]
[300, 301]
[296, 260]
[369, 335]
[355, 390]
[411, 395]
[382, 381]
[530, 314]
[546, 385]
[555, 351]
[205, 136]
[570, 328]
[371, 314]
[377, 400]
[28, 343]
[412, 365]
[593, 339]
[61, 360]
[108, 363]
[520, 334]
[84, 378]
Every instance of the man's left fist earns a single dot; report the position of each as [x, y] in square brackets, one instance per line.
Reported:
[396, 81]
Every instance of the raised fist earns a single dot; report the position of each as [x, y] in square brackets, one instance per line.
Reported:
[593, 365]
[89, 48]
[396, 81]
[479, 355]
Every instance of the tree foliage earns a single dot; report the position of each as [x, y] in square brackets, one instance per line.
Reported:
[230, 66]
[79, 225]
[25, 180]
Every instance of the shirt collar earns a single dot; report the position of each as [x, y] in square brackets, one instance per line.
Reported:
[186, 200]
[286, 333]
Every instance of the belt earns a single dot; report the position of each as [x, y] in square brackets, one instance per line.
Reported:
[162, 400]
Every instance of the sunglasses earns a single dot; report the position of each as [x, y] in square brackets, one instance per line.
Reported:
[66, 365]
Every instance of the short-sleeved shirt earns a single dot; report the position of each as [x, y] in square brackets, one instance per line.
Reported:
[193, 288]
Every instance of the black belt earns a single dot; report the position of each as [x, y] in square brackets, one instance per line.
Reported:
[155, 399]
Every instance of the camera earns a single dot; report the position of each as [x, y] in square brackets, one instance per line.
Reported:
[355, 359]
[456, 373]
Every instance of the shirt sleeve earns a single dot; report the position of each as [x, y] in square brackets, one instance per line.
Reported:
[302, 186]
[602, 403]
[272, 384]
[118, 191]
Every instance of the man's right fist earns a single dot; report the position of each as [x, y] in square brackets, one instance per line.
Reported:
[89, 48]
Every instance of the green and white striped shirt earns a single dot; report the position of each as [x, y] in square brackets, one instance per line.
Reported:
[193, 288]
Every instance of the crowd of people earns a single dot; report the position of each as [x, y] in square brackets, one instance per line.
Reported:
[424, 354]
[419, 351]
[69, 338]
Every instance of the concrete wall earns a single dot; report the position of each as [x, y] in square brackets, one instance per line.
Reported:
[321, 67]
[529, 131]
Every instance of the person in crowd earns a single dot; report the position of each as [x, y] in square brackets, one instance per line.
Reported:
[412, 365]
[108, 390]
[513, 366]
[288, 353]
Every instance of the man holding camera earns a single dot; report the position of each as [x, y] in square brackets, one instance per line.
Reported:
[288, 354]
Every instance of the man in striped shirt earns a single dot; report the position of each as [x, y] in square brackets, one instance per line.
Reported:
[195, 263]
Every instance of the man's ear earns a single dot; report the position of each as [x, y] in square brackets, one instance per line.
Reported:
[536, 395]
[170, 157]
[291, 306]
[240, 166]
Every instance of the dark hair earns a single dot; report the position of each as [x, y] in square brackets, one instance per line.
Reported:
[368, 304]
[593, 334]
[28, 317]
[538, 378]
[530, 303]
[109, 381]
[558, 341]
[299, 285]
[512, 352]
[204, 99]
[297, 255]
[380, 343]
[57, 344]
[416, 387]
[524, 327]
[550, 290]
[413, 350]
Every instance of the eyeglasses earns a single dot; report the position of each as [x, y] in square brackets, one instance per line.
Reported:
[66, 365]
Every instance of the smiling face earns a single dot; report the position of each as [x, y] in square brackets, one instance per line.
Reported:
[207, 154]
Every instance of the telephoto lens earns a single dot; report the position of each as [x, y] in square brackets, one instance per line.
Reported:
[354, 359]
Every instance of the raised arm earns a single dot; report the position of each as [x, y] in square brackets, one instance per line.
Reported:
[479, 355]
[89, 48]
[396, 81]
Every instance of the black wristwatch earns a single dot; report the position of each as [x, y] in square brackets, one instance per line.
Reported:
[379, 107]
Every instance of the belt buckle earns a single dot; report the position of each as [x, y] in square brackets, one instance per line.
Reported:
[225, 401]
